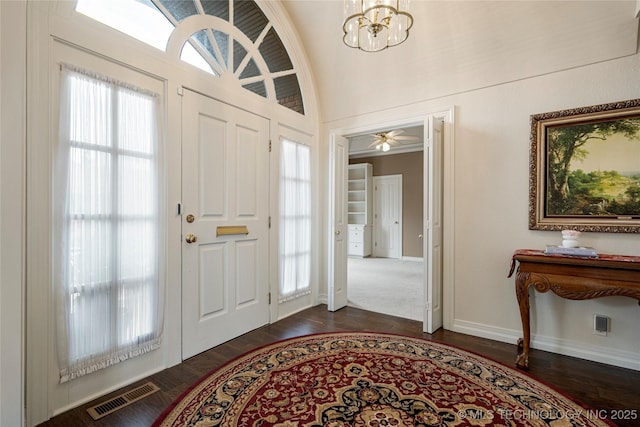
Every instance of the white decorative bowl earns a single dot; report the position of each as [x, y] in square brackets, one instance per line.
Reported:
[570, 238]
[570, 243]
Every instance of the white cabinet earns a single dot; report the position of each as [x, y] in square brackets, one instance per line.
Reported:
[359, 240]
[359, 209]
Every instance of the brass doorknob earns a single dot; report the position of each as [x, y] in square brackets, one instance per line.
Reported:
[191, 238]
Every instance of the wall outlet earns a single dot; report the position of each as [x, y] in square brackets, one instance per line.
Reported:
[601, 324]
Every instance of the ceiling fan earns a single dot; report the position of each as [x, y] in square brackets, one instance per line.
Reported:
[384, 140]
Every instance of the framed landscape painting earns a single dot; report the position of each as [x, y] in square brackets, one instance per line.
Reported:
[584, 169]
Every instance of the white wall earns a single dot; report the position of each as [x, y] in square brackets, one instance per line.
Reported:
[490, 199]
[12, 120]
[457, 46]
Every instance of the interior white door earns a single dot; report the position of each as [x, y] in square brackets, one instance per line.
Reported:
[225, 208]
[387, 216]
[433, 227]
[337, 274]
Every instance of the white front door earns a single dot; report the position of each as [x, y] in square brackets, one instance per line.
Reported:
[432, 248]
[337, 275]
[387, 216]
[225, 209]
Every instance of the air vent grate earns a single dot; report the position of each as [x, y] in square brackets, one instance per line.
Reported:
[105, 408]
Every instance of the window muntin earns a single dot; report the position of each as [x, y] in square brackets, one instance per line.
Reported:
[191, 56]
[213, 47]
[239, 52]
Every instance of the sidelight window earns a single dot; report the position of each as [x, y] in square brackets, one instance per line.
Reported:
[107, 279]
[295, 219]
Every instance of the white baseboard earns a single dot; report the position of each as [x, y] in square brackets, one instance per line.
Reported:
[486, 331]
[595, 353]
[413, 258]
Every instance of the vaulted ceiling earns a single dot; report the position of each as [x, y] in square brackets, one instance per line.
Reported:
[459, 46]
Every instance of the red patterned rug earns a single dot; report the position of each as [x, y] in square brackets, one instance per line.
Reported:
[372, 380]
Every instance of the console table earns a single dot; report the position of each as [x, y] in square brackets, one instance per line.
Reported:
[571, 277]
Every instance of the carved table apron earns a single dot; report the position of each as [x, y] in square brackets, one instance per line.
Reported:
[571, 277]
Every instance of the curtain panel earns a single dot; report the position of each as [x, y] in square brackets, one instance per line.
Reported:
[108, 236]
[295, 220]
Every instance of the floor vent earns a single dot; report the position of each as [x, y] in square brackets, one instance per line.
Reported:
[122, 400]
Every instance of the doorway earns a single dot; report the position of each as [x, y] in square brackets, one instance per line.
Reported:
[436, 237]
[391, 279]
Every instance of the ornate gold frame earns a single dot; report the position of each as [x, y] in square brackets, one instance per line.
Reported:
[539, 219]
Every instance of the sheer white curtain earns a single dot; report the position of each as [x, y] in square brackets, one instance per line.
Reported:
[107, 226]
[295, 219]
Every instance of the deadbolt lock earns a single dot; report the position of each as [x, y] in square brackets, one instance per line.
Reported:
[190, 218]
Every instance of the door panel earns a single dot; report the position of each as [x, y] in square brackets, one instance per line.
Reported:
[211, 284]
[387, 216]
[246, 267]
[433, 314]
[225, 183]
[247, 156]
[337, 297]
[212, 167]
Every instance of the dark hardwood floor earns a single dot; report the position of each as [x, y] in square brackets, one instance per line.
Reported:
[599, 386]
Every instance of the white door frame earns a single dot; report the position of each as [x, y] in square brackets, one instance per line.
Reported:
[337, 241]
[397, 252]
[432, 223]
[373, 125]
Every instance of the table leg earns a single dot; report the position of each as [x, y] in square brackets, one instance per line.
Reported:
[522, 293]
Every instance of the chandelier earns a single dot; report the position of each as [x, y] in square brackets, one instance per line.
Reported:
[373, 25]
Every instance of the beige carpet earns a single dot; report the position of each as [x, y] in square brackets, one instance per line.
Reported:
[388, 286]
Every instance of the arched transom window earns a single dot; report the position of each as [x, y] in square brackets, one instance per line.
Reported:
[229, 39]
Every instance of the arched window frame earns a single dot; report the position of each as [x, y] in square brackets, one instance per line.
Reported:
[186, 28]
[189, 26]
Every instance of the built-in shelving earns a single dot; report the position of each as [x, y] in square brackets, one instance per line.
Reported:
[359, 193]
[359, 209]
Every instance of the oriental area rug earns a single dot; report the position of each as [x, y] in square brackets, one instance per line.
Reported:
[373, 380]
